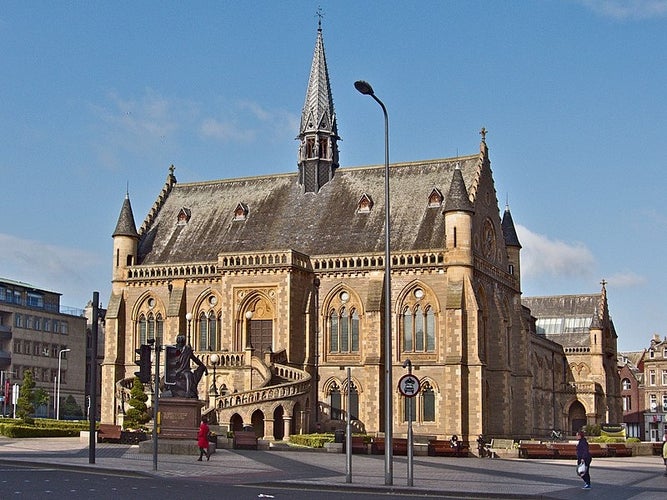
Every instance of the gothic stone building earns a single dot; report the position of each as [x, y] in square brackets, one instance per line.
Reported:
[277, 281]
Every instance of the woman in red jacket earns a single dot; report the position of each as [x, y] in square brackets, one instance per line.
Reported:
[202, 440]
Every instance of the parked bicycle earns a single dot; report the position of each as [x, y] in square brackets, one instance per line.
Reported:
[557, 435]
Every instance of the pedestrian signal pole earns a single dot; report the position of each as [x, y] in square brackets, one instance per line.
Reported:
[408, 385]
[156, 389]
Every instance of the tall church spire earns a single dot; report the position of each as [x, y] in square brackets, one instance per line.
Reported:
[318, 133]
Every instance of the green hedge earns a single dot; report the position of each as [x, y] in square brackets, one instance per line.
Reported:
[26, 431]
[318, 440]
[16, 428]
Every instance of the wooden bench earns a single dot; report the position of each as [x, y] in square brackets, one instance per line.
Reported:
[444, 448]
[399, 446]
[109, 433]
[618, 450]
[536, 450]
[245, 440]
[359, 445]
[570, 450]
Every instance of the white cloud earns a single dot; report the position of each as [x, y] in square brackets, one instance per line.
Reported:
[225, 131]
[256, 120]
[626, 280]
[542, 256]
[68, 271]
[628, 9]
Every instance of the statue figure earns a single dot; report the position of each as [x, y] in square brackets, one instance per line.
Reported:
[186, 380]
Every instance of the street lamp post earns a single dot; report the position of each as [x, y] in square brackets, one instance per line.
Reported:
[215, 359]
[366, 89]
[188, 317]
[60, 358]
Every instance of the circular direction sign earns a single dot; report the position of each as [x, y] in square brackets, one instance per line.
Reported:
[408, 385]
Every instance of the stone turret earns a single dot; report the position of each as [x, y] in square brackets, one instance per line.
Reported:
[125, 240]
[458, 212]
[512, 244]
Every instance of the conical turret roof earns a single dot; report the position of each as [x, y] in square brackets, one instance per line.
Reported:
[509, 233]
[126, 225]
[457, 197]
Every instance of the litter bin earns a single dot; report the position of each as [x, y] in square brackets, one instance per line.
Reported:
[339, 436]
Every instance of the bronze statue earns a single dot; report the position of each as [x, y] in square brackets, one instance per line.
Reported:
[185, 379]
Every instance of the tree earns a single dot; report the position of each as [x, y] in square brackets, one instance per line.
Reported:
[71, 408]
[24, 407]
[137, 416]
[40, 398]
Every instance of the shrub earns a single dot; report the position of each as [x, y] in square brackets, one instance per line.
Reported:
[137, 416]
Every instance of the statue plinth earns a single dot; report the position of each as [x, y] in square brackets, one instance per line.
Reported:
[179, 417]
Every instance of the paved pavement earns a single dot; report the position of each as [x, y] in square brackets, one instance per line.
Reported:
[612, 478]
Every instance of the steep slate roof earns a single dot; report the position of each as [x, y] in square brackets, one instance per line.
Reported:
[282, 217]
[566, 306]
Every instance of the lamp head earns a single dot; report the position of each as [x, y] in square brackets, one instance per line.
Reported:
[188, 316]
[364, 87]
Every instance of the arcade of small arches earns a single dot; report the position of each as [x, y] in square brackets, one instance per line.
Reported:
[271, 421]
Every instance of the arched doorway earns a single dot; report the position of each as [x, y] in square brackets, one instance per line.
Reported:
[278, 423]
[576, 417]
[257, 421]
[236, 422]
[259, 324]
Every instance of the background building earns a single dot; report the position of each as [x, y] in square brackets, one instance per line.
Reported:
[655, 389]
[34, 334]
[582, 325]
[278, 283]
[631, 374]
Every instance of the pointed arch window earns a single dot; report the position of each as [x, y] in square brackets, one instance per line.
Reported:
[208, 331]
[151, 326]
[418, 329]
[344, 330]
[335, 402]
[428, 403]
[354, 402]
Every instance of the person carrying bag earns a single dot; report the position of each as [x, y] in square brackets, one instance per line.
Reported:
[584, 460]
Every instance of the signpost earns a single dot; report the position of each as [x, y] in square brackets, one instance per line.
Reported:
[408, 385]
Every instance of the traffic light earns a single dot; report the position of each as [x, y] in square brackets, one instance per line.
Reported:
[144, 363]
[172, 353]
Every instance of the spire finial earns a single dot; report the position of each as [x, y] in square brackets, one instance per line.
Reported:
[603, 282]
[127, 189]
[320, 15]
[483, 134]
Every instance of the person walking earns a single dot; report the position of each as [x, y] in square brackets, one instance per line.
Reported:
[584, 457]
[202, 440]
[664, 455]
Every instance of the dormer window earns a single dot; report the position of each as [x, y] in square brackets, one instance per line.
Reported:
[435, 199]
[183, 216]
[365, 204]
[241, 212]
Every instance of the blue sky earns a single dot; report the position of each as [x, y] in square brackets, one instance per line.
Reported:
[97, 97]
